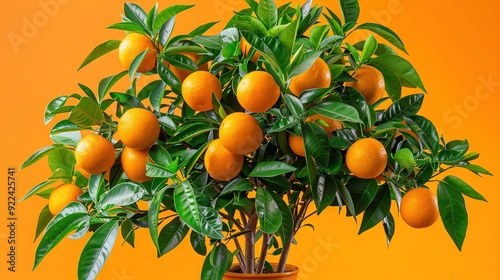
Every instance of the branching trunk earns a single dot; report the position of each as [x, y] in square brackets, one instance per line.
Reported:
[266, 239]
[250, 244]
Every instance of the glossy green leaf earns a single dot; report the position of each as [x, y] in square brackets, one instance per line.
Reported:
[135, 14]
[316, 143]
[172, 235]
[377, 210]
[216, 263]
[338, 111]
[203, 220]
[202, 28]
[404, 107]
[463, 187]
[389, 227]
[136, 63]
[166, 14]
[71, 208]
[301, 62]
[198, 243]
[107, 83]
[156, 95]
[362, 192]
[43, 220]
[166, 31]
[425, 131]
[38, 155]
[128, 232]
[154, 210]
[405, 158]
[86, 113]
[128, 26]
[271, 169]
[289, 35]
[400, 66]
[357, 100]
[385, 33]
[475, 168]
[268, 13]
[95, 186]
[369, 48]
[286, 229]
[344, 193]
[350, 10]
[267, 210]
[99, 51]
[126, 100]
[169, 77]
[188, 131]
[97, 250]
[237, 185]
[453, 213]
[62, 158]
[56, 233]
[294, 105]
[121, 195]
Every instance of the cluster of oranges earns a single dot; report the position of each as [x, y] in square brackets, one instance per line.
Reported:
[240, 133]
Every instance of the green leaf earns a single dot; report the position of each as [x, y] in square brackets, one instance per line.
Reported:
[128, 232]
[56, 106]
[56, 233]
[369, 48]
[166, 31]
[71, 208]
[357, 100]
[316, 143]
[122, 194]
[453, 213]
[362, 192]
[405, 158]
[289, 35]
[198, 243]
[392, 84]
[153, 212]
[271, 169]
[169, 77]
[172, 235]
[385, 33]
[404, 107]
[62, 158]
[216, 263]
[389, 227]
[126, 100]
[163, 16]
[377, 210]
[136, 63]
[267, 210]
[107, 83]
[301, 62]
[338, 111]
[193, 159]
[94, 187]
[268, 13]
[136, 14]
[128, 26]
[202, 29]
[99, 51]
[400, 66]
[324, 192]
[86, 113]
[237, 185]
[38, 155]
[66, 126]
[203, 220]
[97, 250]
[43, 220]
[350, 10]
[425, 131]
[250, 23]
[463, 187]
[156, 95]
[346, 197]
[188, 131]
[475, 168]
[294, 105]
[286, 229]
[318, 33]
[151, 16]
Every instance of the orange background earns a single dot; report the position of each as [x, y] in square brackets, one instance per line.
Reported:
[453, 46]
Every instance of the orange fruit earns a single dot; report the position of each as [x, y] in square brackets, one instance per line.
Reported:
[134, 44]
[134, 164]
[62, 195]
[296, 143]
[245, 48]
[240, 133]
[198, 88]
[370, 83]
[138, 128]
[95, 154]
[366, 158]
[182, 74]
[317, 76]
[220, 163]
[419, 208]
[257, 92]
[332, 124]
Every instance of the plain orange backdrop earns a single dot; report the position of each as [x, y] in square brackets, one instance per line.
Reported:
[453, 45]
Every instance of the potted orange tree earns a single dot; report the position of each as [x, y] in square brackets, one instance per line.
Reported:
[243, 135]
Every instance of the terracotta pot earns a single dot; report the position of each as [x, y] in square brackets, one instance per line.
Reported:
[290, 273]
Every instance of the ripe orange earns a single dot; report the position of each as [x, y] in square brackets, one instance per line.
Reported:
[134, 44]
[134, 164]
[220, 163]
[198, 88]
[245, 48]
[240, 133]
[62, 196]
[138, 128]
[370, 83]
[317, 76]
[182, 73]
[366, 158]
[258, 91]
[296, 143]
[95, 154]
[332, 124]
[419, 208]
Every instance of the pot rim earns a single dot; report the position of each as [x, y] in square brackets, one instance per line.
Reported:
[289, 270]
